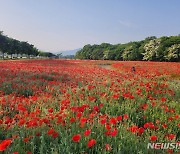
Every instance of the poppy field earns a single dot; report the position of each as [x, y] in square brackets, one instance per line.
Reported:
[88, 107]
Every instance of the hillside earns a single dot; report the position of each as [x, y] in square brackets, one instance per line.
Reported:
[68, 52]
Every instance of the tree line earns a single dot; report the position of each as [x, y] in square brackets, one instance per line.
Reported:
[150, 49]
[12, 46]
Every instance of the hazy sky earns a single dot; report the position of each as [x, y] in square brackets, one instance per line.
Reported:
[55, 25]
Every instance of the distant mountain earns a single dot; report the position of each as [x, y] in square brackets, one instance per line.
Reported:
[68, 52]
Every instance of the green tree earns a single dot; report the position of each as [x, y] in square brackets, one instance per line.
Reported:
[97, 54]
[151, 50]
[4, 44]
[173, 53]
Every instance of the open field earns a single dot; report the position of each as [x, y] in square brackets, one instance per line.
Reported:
[81, 106]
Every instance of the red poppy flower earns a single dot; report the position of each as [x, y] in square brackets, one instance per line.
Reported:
[176, 116]
[153, 138]
[91, 143]
[87, 132]
[72, 120]
[21, 122]
[153, 103]
[170, 118]
[108, 127]
[103, 121]
[171, 136]
[119, 118]
[76, 138]
[116, 96]
[163, 99]
[125, 116]
[151, 125]
[144, 106]
[51, 131]
[133, 129]
[113, 121]
[140, 130]
[26, 139]
[38, 134]
[146, 125]
[96, 108]
[164, 125]
[50, 110]
[54, 135]
[4, 144]
[114, 132]
[79, 114]
[169, 151]
[107, 147]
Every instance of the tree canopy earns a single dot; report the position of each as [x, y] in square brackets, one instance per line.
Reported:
[12, 46]
[150, 49]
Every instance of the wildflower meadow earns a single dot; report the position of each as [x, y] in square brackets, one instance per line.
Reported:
[88, 107]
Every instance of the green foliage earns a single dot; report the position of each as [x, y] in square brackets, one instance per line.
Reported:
[149, 49]
[46, 54]
[173, 52]
[131, 52]
[12, 46]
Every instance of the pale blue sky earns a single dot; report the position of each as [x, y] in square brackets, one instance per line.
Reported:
[55, 25]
